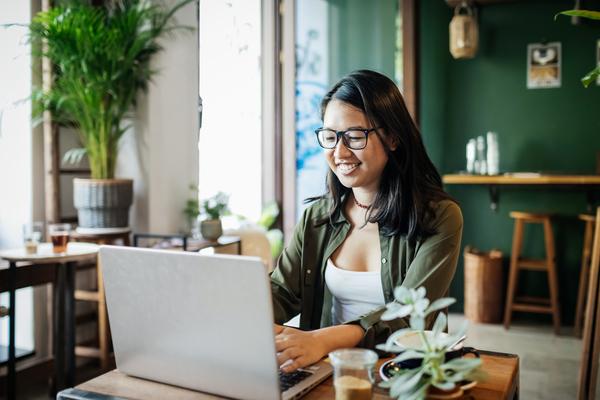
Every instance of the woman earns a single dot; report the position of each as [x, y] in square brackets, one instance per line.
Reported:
[385, 221]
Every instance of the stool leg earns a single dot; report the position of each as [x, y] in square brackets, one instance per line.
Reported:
[583, 276]
[552, 277]
[513, 277]
[103, 340]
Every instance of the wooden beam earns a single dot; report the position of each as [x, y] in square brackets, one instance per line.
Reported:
[51, 163]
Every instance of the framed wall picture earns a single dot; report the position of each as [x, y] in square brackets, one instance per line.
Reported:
[543, 65]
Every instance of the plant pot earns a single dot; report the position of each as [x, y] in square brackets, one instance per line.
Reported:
[437, 394]
[103, 203]
[211, 229]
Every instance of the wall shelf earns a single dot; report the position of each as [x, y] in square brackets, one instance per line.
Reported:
[454, 3]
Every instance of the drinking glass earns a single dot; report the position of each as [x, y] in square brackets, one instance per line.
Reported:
[59, 235]
[353, 373]
[33, 233]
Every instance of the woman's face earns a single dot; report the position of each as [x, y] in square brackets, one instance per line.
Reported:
[354, 168]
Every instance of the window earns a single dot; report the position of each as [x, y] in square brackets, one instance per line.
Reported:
[230, 87]
[16, 154]
[333, 38]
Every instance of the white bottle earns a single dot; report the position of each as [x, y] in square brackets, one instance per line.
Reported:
[471, 153]
[493, 154]
[481, 157]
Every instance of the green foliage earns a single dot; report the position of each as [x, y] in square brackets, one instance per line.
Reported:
[595, 73]
[434, 371]
[216, 206]
[101, 58]
[192, 205]
[268, 217]
[580, 13]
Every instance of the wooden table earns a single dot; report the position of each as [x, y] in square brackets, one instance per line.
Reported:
[186, 243]
[501, 382]
[64, 306]
[102, 235]
[588, 182]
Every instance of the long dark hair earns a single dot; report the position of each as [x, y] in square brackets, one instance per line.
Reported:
[410, 183]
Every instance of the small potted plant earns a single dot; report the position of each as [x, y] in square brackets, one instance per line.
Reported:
[214, 207]
[433, 367]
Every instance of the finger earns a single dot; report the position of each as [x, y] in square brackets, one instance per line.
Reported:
[278, 329]
[283, 342]
[299, 362]
[287, 355]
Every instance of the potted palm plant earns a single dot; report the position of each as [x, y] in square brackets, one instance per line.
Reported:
[101, 58]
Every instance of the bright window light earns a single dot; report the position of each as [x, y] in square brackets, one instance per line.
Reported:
[230, 87]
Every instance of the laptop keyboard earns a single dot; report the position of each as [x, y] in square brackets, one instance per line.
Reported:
[287, 380]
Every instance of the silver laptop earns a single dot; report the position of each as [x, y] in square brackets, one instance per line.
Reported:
[199, 322]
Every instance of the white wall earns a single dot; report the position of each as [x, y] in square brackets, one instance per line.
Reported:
[16, 153]
[161, 152]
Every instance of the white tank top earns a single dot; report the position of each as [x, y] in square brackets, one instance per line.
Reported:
[355, 293]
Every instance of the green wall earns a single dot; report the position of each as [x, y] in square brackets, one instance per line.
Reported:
[554, 130]
[362, 35]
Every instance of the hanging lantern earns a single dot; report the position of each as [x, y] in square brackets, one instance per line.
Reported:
[464, 32]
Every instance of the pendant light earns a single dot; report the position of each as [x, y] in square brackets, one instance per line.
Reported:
[464, 32]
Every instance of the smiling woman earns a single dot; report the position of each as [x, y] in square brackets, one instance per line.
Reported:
[384, 222]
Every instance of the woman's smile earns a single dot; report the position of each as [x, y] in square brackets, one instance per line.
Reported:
[346, 168]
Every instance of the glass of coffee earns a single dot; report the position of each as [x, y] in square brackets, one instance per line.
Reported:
[59, 235]
[353, 373]
[33, 234]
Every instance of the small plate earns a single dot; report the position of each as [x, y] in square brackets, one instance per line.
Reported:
[412, 340]
[390, 367]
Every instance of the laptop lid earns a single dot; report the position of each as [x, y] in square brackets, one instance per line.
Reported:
[196, 321]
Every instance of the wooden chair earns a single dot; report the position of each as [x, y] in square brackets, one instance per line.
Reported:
[584, 273]
[517, 263]
[97, 296]
[591, 326]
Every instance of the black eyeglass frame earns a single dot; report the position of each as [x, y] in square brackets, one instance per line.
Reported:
[342, 134]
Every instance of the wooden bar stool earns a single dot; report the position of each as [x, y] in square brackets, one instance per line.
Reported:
[584, 274]
[517, 263]
[115, 236]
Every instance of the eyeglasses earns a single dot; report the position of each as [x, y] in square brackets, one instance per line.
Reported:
[355, 139]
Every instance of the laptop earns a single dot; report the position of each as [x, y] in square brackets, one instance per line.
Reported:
[203, 322]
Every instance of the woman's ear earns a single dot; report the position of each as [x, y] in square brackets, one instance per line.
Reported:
[392, 143]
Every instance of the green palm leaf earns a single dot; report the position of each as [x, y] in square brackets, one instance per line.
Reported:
[580, 13]
[101, 57]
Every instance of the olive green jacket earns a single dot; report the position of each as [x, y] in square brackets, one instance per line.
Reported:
[298, 281]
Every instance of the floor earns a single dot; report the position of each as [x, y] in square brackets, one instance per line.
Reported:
[549, 364]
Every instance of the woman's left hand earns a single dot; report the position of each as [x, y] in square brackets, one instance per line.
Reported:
[296, 348]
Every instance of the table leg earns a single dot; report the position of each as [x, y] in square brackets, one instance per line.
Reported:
[70, 322]
[494, 197]
[58, 330]
[12, 371]
[591, 200]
